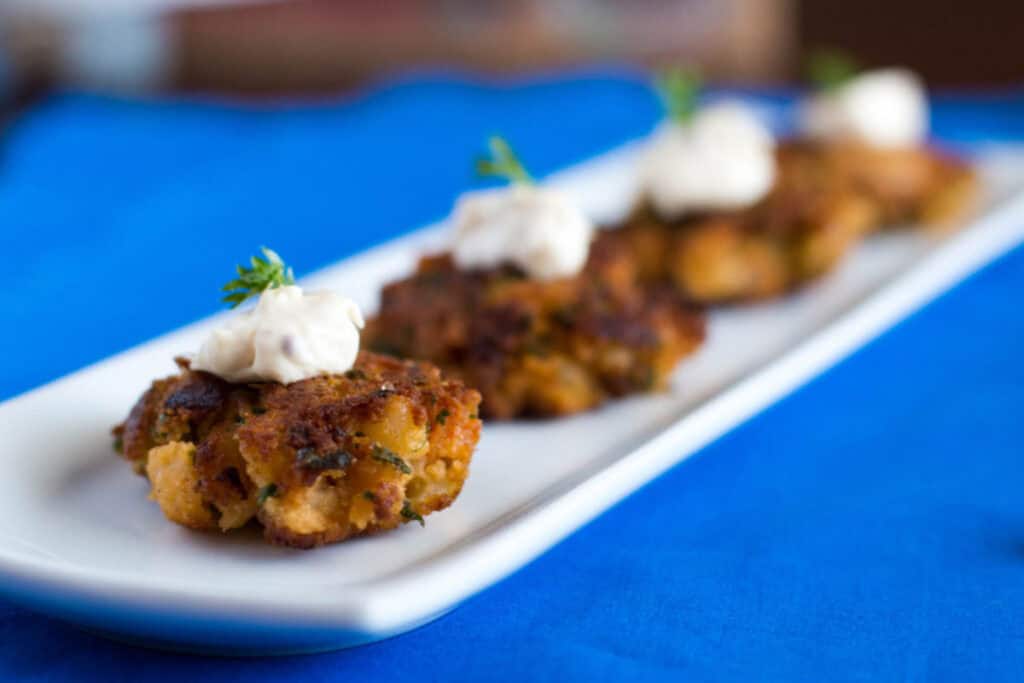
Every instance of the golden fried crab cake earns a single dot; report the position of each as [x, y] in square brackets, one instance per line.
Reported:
[824, 201]
[867, 132]
[314, 461]
[721, 217]
[795, 234]
[726, 214]
[537, 348]
[915, 184]
[529, 308]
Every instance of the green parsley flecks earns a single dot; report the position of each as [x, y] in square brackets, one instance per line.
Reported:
[268, 491]
[411, 514]
[309, 459]
[381, 454]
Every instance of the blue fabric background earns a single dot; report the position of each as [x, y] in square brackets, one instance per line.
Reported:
[870, 527]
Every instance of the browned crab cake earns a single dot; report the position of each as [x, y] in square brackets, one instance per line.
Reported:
[537, 348]
[912, 184]
[314, 461]
[826, 198]
[797, 233]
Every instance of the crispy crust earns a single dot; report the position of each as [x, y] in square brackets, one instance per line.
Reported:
[315, 461]
[826, 199]
[538, 348]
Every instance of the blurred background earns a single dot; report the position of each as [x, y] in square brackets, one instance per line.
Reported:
[308, 47]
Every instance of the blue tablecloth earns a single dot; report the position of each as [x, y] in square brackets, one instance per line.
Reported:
[870, 527]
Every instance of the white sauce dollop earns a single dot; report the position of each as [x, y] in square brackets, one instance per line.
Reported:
[290, 335]
[724, 158]
[538, 229]
[883, 108]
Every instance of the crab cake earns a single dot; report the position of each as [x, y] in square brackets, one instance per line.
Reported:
[867, 131]
[314, 461]
[529, 308]
[908, 184]
[538, 347]
[799, 231]
[722, 215]
[825, 199]
[727, 213]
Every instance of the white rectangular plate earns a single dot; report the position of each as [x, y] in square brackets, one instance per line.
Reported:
[79, 539]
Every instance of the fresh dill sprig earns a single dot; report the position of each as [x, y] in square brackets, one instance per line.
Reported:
[266, 273]
[830, 69]
[678, 88]
[503, 163]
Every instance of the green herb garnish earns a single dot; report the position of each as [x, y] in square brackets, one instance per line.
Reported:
[266, 273]
[678, 88]
[388, 457]
[118, 444]
[309, 459]
[268, 491]
[442, 416]
[409, 513]
[830, 69]
[370, 496]
[503, 163]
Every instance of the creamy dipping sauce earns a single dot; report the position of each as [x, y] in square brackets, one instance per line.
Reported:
[538, 229]
[290, 335]
[883, 108]
[722, 159]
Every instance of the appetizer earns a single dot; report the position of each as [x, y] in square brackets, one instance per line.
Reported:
[280, 418]
[722, 216]
[868, 131]
[726, 213]
[524, 308]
